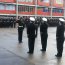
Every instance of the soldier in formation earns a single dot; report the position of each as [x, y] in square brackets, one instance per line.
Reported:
[21, 26]
[60, 37]
[43, 33]
[7, 22]
[31, 33]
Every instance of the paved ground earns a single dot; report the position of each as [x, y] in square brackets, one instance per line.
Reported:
[13, 53]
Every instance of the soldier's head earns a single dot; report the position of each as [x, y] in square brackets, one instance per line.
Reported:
[32, 19]
[44, 20]
[61, 21]
[20, 18]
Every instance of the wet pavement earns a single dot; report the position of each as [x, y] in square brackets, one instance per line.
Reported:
[13, 53]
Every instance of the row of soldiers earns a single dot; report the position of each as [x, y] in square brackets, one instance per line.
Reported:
[32, 29]
[8, 22]
[11, 21]
[53, 22]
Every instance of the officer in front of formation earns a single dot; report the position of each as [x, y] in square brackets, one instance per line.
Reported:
[20, 29]
[44, 34]
[60, 37]
[31, 33]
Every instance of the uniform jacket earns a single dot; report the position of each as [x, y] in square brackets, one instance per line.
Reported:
[60, 31]
[31, 31]
[21, 25]
[43, 29]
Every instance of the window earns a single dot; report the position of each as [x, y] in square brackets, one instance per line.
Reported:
[10, 7]
[25, 0]
[21, 8]
[22, 0]
[19, 0]
[58, 10]
[31, 8]
[41, 0]
[25, 9]
[61, 11]
[45, 9]
[2, 7]
[30, 0]
[55, 10]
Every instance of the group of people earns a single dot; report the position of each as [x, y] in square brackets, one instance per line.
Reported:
[7, 22]
[32, 28]
[53, 21]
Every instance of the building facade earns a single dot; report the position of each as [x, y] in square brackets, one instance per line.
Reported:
[46, 8]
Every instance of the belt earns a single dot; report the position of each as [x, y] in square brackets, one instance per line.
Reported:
[20, 26]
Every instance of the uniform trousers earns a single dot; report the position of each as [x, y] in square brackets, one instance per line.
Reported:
[60, 42]
[44, 42]
[31, 42]
[20, 32]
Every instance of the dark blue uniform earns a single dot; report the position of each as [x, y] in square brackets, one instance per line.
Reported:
[31, 32]
[44, 35]
[20, 30]
[60, 39]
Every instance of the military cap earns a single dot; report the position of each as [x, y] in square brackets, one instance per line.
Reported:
[44, 19]
[32, 18]
[61, 19]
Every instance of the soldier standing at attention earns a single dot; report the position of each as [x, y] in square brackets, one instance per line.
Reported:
[43, 33]
[20, 29]
[31, 33]
[60, 37]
